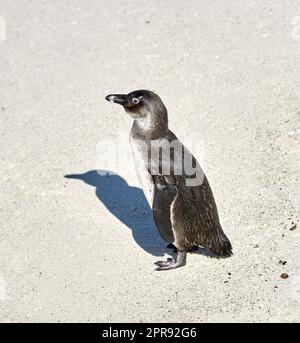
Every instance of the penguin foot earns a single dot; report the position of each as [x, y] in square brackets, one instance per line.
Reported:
[172, 263]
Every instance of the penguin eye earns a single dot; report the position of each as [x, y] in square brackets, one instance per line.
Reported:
[135, 101]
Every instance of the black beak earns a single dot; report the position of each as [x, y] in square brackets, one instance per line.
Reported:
[120, 99]
[74, 176]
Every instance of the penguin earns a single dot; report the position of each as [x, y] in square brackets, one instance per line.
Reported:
[182, 202]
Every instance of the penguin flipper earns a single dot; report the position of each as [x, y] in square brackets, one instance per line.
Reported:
[164, 195]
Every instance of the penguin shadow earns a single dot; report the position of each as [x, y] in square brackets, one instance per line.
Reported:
[128, 204]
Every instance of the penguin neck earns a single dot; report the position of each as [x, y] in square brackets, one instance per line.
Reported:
[151, 126]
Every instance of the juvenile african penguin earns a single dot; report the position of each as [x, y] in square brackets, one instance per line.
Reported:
[184, 209]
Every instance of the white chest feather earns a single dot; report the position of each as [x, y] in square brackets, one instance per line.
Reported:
[140, 159]
[145, 122]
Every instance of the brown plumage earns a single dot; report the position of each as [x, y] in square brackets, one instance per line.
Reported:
[183, 204]
[195, 219]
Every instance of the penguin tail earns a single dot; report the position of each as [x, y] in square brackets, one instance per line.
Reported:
[220, 245]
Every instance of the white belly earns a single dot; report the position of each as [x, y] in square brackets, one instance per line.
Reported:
[140, 159]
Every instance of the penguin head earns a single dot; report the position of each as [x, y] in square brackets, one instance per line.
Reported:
[139, 103]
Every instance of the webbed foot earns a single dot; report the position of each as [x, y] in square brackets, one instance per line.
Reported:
[172, 263]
